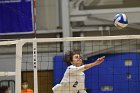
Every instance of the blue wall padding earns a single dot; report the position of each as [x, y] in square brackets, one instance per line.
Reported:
[59, 69]
[112, 72]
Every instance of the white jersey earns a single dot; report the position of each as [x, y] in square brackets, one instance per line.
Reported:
[72, 82]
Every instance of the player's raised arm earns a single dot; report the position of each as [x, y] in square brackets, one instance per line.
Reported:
[97, 62]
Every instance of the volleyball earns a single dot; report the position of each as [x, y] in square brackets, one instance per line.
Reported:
[120, 21]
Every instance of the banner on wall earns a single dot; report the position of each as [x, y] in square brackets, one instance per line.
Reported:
[16, 17]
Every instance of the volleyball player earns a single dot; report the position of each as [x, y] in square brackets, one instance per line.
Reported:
[73, 80]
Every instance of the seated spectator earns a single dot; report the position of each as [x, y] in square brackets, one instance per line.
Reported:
[4, 89]
[25, 88]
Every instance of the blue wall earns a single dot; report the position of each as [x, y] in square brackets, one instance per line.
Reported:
[112, 72]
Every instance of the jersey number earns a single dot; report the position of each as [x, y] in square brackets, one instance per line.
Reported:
[75, 84]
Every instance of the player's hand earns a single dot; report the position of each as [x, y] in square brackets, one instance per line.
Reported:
[100, 60]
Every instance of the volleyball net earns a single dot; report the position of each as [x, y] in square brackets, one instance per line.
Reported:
[39, 61]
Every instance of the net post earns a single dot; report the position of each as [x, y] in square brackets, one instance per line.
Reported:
[19, 45]
[35, 66]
